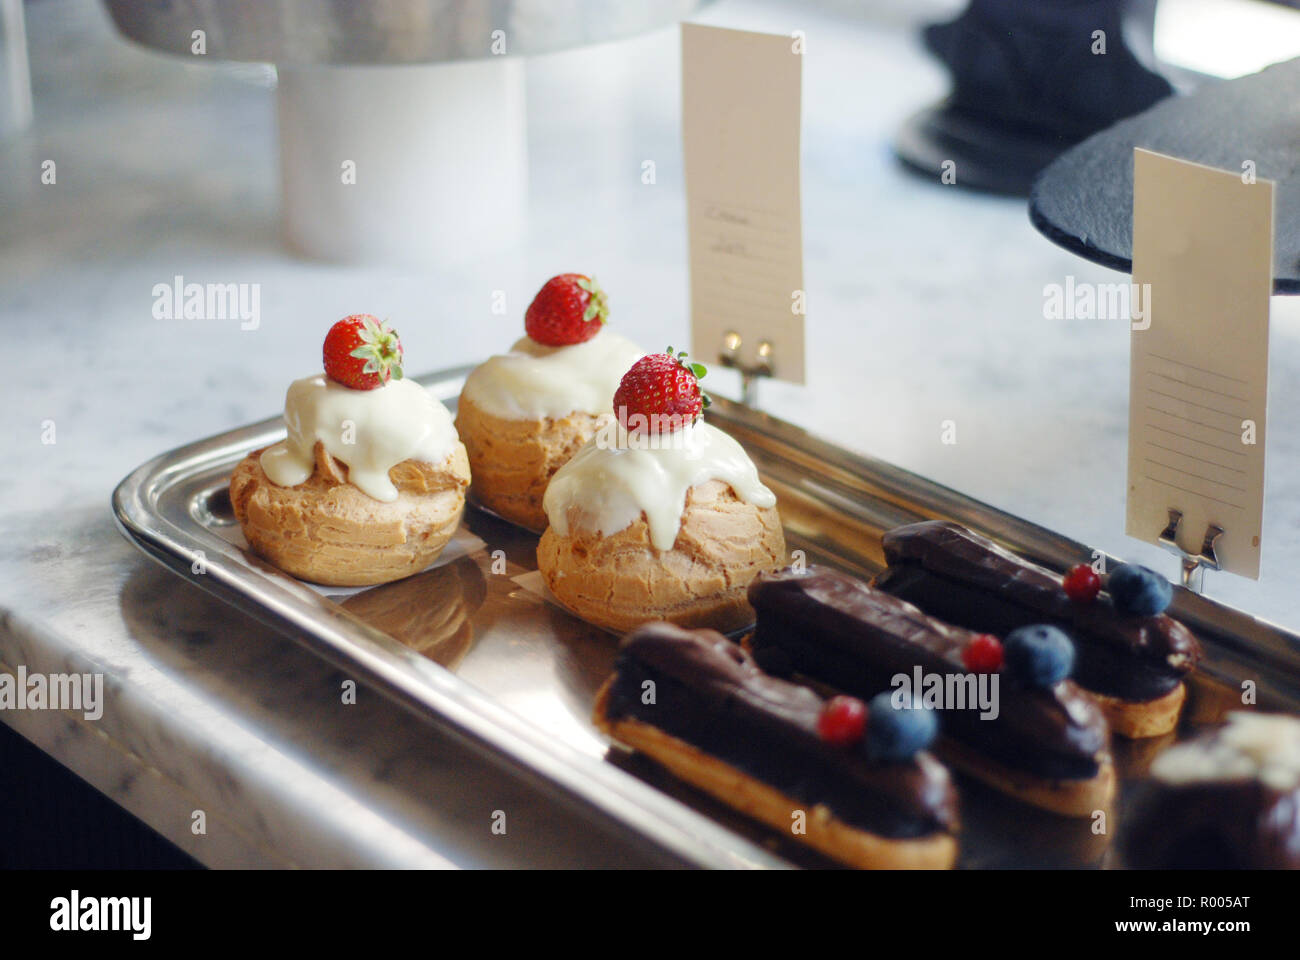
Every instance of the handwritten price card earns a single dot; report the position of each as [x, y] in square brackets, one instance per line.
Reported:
[1198, 375]
[740, 126]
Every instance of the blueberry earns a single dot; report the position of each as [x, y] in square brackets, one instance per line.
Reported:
[895, 733]
[1139, 591]
[1038, 656]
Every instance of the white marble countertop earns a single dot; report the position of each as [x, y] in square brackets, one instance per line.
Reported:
[925, 304]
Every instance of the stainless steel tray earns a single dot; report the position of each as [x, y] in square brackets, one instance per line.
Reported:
[466, 646]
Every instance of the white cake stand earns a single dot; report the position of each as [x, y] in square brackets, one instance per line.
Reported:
[402, 122]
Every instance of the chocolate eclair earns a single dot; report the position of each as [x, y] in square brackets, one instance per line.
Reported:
[1134, 663]
[698, 705]
[1045, 742]
[1229, 799]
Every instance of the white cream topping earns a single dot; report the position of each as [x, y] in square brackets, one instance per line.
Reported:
[371, 431]
[1251, 746]
[616, 477]
[534, 381]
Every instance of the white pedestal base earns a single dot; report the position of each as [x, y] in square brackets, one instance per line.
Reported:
[415, 165]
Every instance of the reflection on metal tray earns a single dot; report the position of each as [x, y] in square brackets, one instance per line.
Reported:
[464, 646]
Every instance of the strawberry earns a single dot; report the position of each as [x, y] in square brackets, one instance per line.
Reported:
[568, 309]
[362, 352]
[660, 393]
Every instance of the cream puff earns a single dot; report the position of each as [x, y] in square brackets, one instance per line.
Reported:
[659, 524]
[369, 485]
[523, 414]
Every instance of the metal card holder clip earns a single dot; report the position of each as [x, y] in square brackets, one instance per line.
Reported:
[1193, 565]
[763, 366]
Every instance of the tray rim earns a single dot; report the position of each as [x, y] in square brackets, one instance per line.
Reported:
[432, 693]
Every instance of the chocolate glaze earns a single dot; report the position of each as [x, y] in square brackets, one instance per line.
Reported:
[1223, 826]
[837, 630]
[711, 694]
[968, 580]
[1239, 823]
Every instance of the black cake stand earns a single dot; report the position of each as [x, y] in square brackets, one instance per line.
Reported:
[1083, 201]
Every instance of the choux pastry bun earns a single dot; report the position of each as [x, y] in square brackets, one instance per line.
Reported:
[523, 414]
[369, 485]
